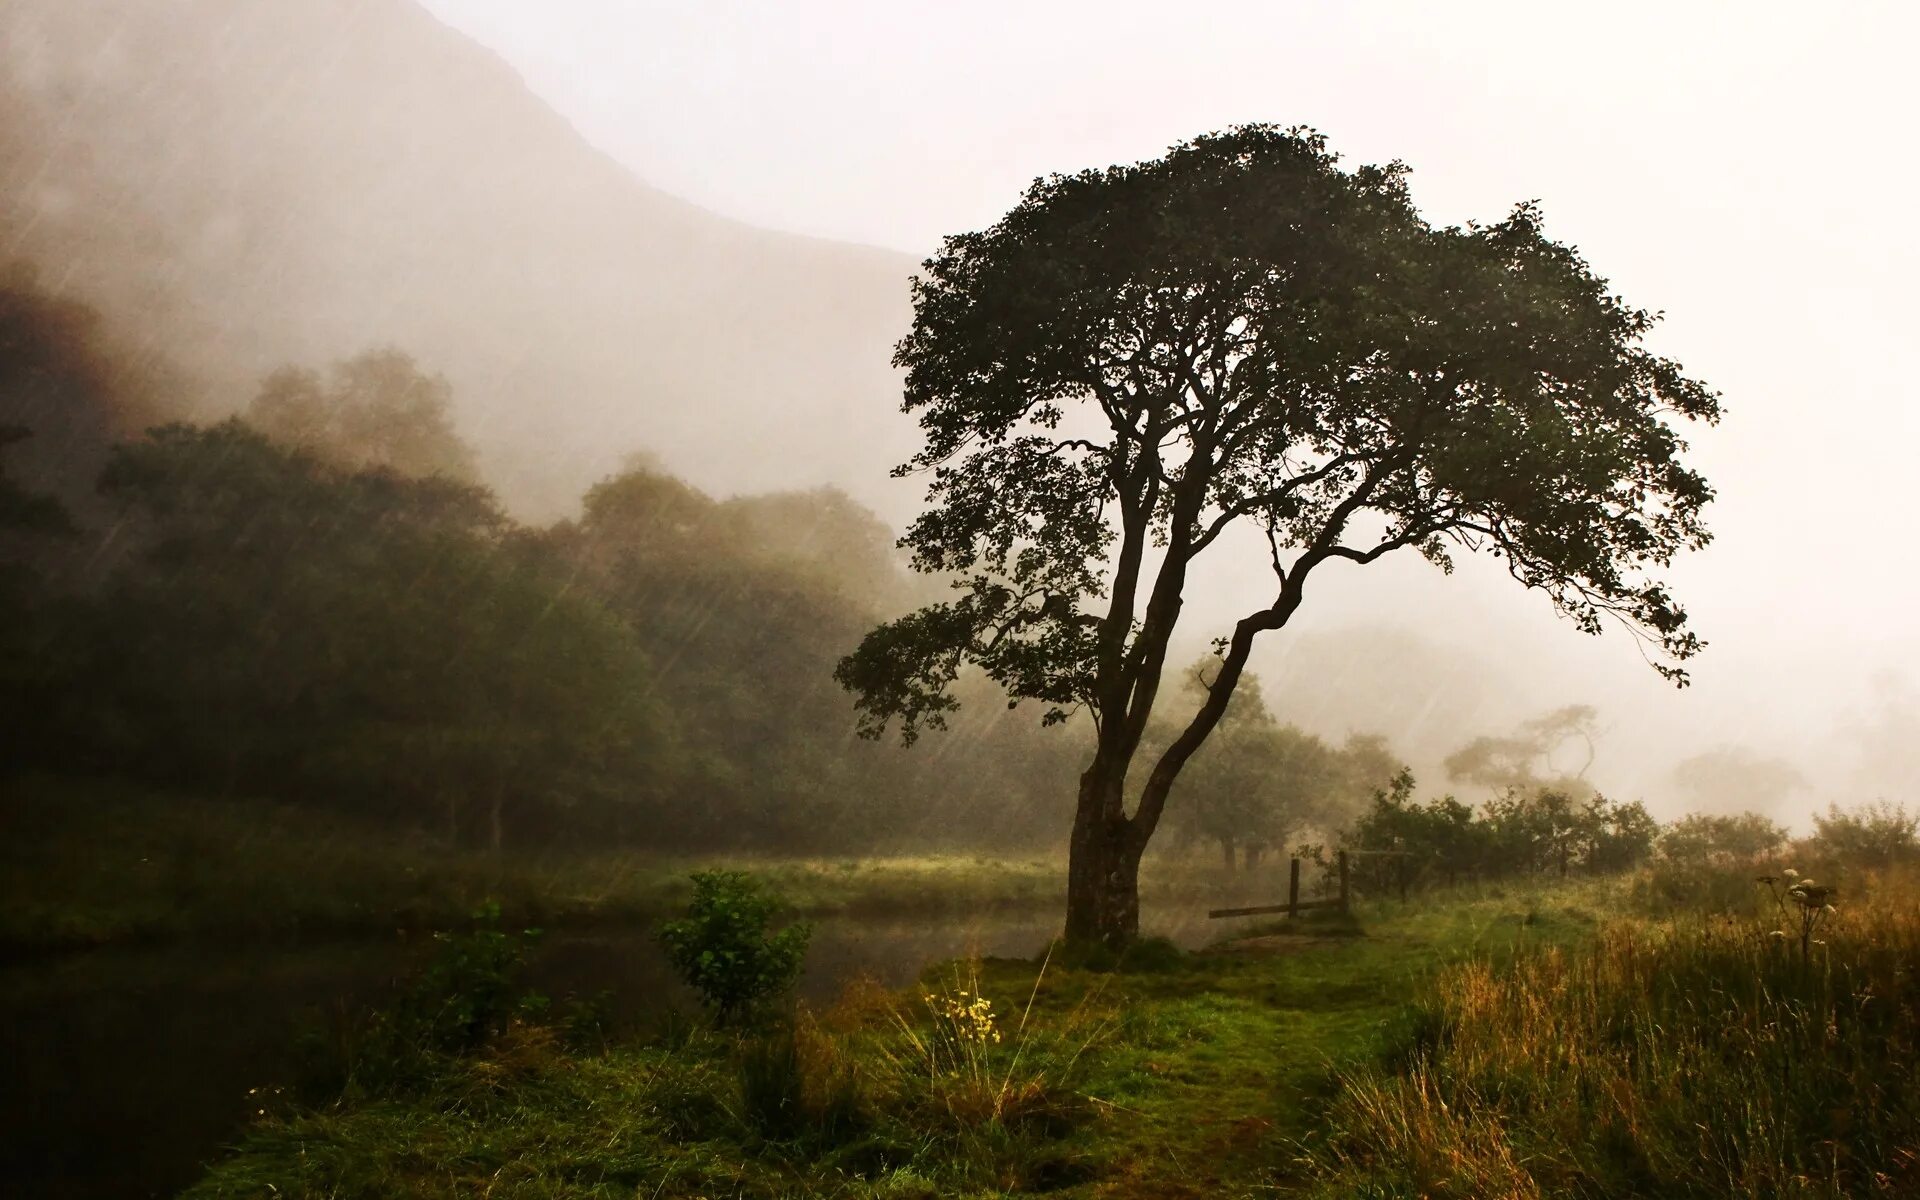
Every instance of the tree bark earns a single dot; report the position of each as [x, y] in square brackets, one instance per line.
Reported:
[1103, 864]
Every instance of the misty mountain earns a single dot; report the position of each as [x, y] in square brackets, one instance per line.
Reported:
[238, 186]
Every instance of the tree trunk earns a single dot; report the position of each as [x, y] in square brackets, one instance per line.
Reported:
[1103, 864]
[1226, 854]
[1254, 853]
[496, 822]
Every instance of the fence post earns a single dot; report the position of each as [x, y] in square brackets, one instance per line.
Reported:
[1343, 881]
[1293, 890]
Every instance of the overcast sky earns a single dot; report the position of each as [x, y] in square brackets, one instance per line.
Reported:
[1748, 168]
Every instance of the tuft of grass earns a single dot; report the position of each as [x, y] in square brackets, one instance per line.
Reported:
[972, 1068]
[1696, 1057]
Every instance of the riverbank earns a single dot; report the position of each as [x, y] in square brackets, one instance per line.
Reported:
[157, 1050]
[95, 863]
[98, 863]
[1176, 1074]
[1527, 1041]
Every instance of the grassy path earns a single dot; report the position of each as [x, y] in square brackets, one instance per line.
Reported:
[1226, 1063]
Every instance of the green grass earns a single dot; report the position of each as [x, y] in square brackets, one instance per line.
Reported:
[1176, 1075]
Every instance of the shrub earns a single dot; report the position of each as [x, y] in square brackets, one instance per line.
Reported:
[1874, 835]
[465, 998]
[1735, 839]
[723, 949]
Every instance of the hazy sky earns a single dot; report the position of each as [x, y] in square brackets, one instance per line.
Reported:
[1748, 168]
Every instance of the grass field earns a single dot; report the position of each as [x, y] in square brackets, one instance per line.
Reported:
[1715, 1053]
[1203, 1074]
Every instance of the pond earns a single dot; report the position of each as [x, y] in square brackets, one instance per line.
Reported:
[129, 1069]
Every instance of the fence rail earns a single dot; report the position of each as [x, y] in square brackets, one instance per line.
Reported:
[1295, 905]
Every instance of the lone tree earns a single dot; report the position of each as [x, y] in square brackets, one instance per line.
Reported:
[1135, 361]
[1526, 758]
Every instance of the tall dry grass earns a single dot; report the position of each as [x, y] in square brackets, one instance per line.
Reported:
[1704, 1056]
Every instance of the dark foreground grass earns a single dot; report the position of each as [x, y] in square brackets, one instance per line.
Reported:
[1165, 1075]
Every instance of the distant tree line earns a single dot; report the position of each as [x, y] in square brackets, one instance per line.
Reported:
[318, 600]
[1552, 832]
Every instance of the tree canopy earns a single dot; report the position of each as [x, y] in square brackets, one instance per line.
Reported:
[1533, 756]
[376, 409]
[1134, 361]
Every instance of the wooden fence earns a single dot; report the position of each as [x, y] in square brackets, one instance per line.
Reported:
[1295, 905]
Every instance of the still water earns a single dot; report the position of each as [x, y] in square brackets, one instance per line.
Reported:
[127, 1070]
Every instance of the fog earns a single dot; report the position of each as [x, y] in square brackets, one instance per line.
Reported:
[685, 231]
[1738, 169]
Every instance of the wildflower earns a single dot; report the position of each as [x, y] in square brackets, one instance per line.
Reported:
[1790, 874]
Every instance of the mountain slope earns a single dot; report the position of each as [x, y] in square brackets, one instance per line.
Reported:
[250, 184]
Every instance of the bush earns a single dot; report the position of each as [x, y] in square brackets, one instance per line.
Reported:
[1700, 838]
[1874, 835]
[723, 950]
[465, 998]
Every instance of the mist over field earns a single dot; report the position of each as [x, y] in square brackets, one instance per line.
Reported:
[451, 462]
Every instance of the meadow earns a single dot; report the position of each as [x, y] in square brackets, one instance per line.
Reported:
[1644, 1035]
